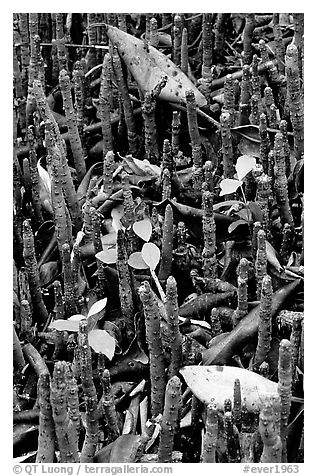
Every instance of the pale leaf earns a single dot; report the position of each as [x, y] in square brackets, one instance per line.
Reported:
[136, 261]
[229, 186]
[244, 165]
[45, 188]
[97, 307]
[79, 238]
[151, 255]
[76, 317]
[109, 239]
[102, 342]
[107, 256]
[215, 383]
[143, 229]
[235, 224]
[272, 257]
[141, 168]
[45, 181]
[155, 434]
[65, 325]
[116, 214]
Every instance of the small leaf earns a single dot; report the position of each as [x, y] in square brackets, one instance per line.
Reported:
[235, 224]
[244, 165]
[229, 186]
[151, 255]
[76, 317]
[97, 307]
[272, 257]
[45, 180]
[116, 214]
[143, 229]
[109, 239]
[45, 188]
[102, 342]
[65, 325]
[155, 434]
[108, 256]
[79, 237]
[136, 261]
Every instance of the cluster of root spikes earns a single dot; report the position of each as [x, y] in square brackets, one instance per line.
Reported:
[158, 237]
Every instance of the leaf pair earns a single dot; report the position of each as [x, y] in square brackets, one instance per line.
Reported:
[150, 255]
[244, 165]
[98, 339]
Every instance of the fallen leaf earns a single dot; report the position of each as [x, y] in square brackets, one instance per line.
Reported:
[151, 255]
[102, 342]
[155, 434]
[48, 271]
[250, 132]
[142, 168]
[229, 186]
[257, 214]
[227, 204]
[248, 147]
[235, 224]
[244, 214]
[215, 383]
[143, 229]
[244, 165]
[148, 65]
[136, 261]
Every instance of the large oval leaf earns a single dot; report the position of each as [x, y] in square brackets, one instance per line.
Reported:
[244, 165]
[148, 65]
[102, 342]
[136, 261]
[229, 186]
[151, 255]
[143, 229]
[215, 383]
